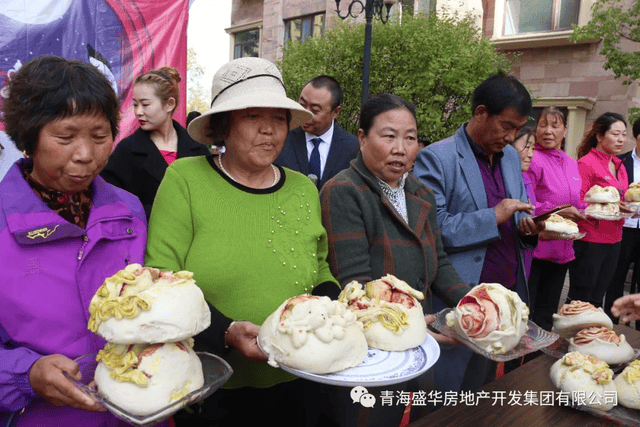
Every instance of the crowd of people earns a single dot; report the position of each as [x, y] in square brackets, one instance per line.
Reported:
[288, 204]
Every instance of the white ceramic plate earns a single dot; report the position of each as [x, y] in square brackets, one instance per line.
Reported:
[381, 368]
[534, 339]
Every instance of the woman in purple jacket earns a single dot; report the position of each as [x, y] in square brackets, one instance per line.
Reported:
[63, 229]
[556, 180]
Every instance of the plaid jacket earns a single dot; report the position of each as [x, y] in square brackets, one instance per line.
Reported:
[368, 238]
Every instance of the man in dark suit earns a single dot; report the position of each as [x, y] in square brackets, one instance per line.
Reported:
[320, 148]
[630, 248]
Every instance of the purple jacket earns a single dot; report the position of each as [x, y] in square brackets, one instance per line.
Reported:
[556, 181]
[50, 270]
[527, 253]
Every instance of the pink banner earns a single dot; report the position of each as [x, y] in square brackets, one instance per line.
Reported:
[122, 38]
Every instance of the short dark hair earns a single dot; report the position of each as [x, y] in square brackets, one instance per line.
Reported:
[600, 126]
[555, 112]
[527, 131]
[332, 85]
[192, 115]
[501, 91]
[218, 128]
[50, 87]
[636, 128]
[380, 104]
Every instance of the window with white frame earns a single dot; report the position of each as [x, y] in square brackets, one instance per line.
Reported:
[530, 16]
[303, 28]
[246, 43]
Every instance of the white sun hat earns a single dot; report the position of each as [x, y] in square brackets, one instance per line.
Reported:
[246, 83]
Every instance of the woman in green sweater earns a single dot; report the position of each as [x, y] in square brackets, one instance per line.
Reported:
[250, 231]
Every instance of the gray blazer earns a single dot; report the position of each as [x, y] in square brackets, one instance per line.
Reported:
[344, 148]
[449, 167]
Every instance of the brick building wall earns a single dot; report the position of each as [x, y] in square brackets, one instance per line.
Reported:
[556, 71]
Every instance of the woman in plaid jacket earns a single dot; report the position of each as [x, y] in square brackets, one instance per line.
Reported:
[379, 218]
[382, 220]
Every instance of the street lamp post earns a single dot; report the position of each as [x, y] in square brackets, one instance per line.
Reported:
[371, 8]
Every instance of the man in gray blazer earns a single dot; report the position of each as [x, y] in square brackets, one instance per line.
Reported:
[482, 206]
[481, 200]
[319, 148]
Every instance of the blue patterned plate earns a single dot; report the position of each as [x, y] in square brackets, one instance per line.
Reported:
[381, 368]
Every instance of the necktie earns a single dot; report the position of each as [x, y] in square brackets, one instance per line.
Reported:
[314, 161]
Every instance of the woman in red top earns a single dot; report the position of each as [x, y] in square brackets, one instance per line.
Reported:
[139, 161]
[597, 253]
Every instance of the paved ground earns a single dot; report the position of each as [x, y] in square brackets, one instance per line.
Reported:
[627, 287]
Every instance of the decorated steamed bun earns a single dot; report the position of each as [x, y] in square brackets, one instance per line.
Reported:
[633, 192]
[628, 385]
[597, 194]
[313, 334]
[588, 374]
[602, 343]
[578, 315]
[491, 316]
[144, 378]
[559, 224]
[146, 305]
[390, 312]
[602, 209]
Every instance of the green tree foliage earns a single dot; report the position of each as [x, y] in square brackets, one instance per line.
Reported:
[433, 63]
[615, 21]
[196, 94]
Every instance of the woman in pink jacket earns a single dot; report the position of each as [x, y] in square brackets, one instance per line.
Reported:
[597, 253]
[556, 180]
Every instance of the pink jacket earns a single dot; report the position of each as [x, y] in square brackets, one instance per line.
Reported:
[594, 170]
[556, 181]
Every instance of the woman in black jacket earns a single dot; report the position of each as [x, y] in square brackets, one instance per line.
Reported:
[139, 161]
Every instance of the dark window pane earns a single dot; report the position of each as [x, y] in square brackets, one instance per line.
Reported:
[306, 28]
[250, 51]
[287, 30]
[303, 28]
[246, 43]
[568, 14]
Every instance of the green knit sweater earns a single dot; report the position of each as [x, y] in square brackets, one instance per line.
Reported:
[249, 250]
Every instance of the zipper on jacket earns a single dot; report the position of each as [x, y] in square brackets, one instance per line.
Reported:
[84, 244]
